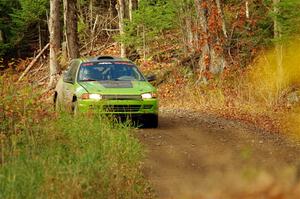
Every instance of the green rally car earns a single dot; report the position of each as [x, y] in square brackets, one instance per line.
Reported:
[107, 85]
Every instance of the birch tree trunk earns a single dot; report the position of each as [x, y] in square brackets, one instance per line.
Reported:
[247, 9]
[132, 5]
[70, 21]
[121, 13]
[130, 9]
[55, 39]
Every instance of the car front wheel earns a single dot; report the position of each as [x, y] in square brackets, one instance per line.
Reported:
[75, 108]
[151, 121]
[57, 105]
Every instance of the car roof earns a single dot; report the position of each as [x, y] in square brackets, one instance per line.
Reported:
[104, 58]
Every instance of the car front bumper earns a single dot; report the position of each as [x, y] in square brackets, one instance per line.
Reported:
[119, 107]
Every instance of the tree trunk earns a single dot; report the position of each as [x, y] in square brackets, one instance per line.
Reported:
[130, 9]
[55, 39]
[132, 5]
[277, 33]
[121, 13]
[111, 13]
[1, 37]
[91, 8]
[278, 47]
[40, 37]
[247, 9]
[220, 12]
[70, 20]
[186, 23]
[189, 33]
[210, 59]
[204, 60]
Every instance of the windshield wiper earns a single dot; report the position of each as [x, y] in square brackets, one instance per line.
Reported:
[118, 79]
[88, 80]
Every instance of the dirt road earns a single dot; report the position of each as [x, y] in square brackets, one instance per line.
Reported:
[194, 155]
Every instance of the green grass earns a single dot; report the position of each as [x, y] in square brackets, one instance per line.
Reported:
[49, 156]
[72, 158]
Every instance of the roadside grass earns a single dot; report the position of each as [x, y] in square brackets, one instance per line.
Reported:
[45, 155]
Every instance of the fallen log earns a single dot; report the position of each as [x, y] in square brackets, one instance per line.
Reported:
[33, 62]
[37, 70]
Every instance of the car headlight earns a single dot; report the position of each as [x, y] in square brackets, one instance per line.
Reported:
[149, 95]
[95, 96]
[91, 96]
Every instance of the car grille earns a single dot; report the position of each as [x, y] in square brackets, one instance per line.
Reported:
[122, 97]
[148, 106]
[121, 108]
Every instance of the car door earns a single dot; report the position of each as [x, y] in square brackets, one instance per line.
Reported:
[69, 83]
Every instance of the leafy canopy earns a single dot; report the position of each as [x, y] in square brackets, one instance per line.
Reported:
[149, 21]
[18, 18]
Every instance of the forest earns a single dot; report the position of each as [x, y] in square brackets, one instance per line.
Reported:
[221, 66]
[219, 33]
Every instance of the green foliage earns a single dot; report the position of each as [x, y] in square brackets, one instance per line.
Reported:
[246, 35]
[250, 35]
[149, 22]
[6, 9]
[47, 156]
[18, 20]
[4, 47]
[82, 28]
[30, 12]
[289, 17]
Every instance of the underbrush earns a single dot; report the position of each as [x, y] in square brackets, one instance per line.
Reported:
[266, 94]
[44, 155]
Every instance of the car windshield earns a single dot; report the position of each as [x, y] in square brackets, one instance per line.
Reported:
[109, 71]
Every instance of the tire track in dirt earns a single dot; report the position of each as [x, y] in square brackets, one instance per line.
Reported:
[193, 155]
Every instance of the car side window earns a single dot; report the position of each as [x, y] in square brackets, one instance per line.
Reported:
[67, 74]
[74, 67]
[71, 70]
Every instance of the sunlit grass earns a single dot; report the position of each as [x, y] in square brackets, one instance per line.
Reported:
[272, 77]
[275, 84]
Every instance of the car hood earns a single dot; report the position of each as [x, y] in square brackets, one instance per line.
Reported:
[118, 87]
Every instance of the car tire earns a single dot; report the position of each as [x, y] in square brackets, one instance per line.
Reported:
[75, 108]
[57, 107]
[151, 121]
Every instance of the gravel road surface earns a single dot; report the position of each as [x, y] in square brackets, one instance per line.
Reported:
[194, 155]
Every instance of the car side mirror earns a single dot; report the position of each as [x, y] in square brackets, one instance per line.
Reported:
[67, 78]
[151, 78]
